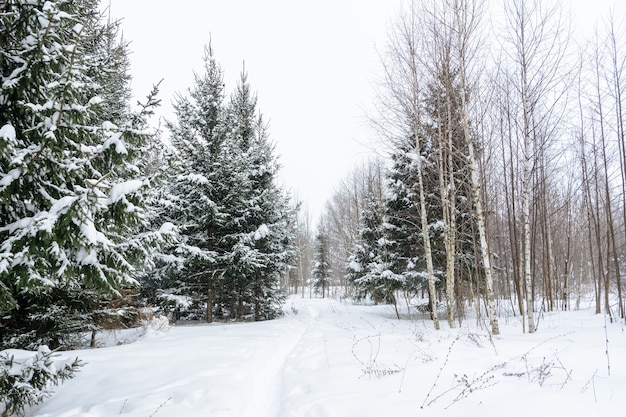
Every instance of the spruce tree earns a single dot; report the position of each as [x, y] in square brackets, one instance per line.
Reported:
[71, 190]
[237, 229]
[192, 196]
[442, 127]
[320, 275]
[445, 174]
[264, 225]
[373, 268]
[403, 224]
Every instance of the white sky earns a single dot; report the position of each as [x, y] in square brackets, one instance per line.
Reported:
[313, 65]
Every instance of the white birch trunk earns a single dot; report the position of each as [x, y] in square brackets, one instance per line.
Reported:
[530, 307]
[462, 30]
[579, 282]
[448, 208]
[426, 237]
[415, 113]
[450, 245]
[450, 225]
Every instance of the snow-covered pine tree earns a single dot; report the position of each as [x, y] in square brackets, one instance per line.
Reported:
[29, 379]
[200, 183]
[372, 268]
[70, 188]
[403, 224]
[365, 252]
[261, 245]
[321, 273]
[237, 228]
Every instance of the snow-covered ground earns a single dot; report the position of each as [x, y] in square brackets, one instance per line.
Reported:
[333, 359]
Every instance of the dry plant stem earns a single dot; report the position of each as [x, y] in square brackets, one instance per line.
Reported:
[568, 374]
[326, 353]
[406, 365]
[546, 341]
[482, 382]
[159, 407]
[122, 409]
[491, 339]
[606, 338]
[593, 384]
[445, 362]
[590, 381]
[371, 361]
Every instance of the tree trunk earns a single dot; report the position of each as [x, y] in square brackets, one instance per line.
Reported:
[209, 303]
[426, 235]
[447, 198]
[257, 297]
[463, 28]
[617, 66]
[530, 307]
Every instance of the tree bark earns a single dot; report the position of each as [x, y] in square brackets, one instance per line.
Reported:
[465, 27]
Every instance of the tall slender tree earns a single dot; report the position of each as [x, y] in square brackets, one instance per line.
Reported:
[535, 47]
[195, 191]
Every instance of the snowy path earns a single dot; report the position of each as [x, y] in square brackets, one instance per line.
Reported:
[328, 359]
[216, 370]
[266, 390]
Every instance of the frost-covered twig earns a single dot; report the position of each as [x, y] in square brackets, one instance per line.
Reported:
[542, 372]
[406, 365]
[470, 386]
[593, 384]
[568, 374]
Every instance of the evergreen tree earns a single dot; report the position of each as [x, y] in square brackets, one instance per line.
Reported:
[28, 381]
[446, 175]
[71, 190]
[237, 229]
[372, 266]
[403, 225]
[320, 275]
[202, 178]
[263, 228]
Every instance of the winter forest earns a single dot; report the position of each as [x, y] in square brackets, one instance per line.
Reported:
[495, 210]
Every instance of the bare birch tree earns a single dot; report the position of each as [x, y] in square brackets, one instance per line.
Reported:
[535, 49]
[467, 14]
[616, 83]
[440, 101]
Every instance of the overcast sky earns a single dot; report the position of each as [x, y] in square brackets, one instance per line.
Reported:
[313, 65]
